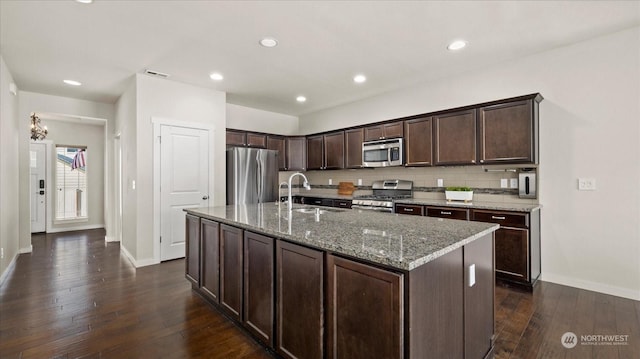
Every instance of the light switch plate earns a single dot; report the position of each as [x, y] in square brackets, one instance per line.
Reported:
[514, 183]
[472, 275]
[504, 183]
[133, 184]
[586, 184]
[330, 181]
[359, 181]
[440, 182]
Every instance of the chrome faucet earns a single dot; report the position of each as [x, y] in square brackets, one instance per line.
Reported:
[305, 184]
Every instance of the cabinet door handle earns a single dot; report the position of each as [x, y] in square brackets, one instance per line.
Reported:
[447, 213]
[498, 217]
[408, 209]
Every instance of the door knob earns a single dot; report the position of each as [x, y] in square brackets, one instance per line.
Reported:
[204, 198]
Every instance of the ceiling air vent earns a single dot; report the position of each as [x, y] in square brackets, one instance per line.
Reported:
[156, 73]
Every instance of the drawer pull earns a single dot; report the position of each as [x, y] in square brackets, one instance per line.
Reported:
[498, 217]
[447, 213]
[408, 209]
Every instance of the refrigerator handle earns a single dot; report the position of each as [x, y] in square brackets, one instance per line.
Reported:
[259, 177]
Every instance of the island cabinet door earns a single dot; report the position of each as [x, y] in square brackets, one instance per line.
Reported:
[210, 259]
[259, 293]
[364, 311]
[299, 285]
[231, 271]
[192, 262]
[478, 297]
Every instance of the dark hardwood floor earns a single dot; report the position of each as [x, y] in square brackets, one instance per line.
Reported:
[77, 297]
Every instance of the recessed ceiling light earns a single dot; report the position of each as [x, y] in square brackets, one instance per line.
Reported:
[72, 82]
[301, 99]
[216, 76]
[359, 79]
[269, 42]
[84, 1]
[457, 45]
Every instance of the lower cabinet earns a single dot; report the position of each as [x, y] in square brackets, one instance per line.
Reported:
[364, 311]
[231, 271]
[300, 301]
[192, 238]
[210, 259]
[259, 294]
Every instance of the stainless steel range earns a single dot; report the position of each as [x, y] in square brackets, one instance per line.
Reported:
[384, 192]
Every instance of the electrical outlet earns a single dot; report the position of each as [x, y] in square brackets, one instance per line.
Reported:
[1, 253]
[440, 182]
[359, 181]
[586, 184]
[133, 184]
[330, 181]
[514, 183]
[503, 183]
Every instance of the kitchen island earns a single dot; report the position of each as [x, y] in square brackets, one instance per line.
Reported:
[318, 282]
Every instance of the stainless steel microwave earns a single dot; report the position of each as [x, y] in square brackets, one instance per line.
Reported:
[382, 153]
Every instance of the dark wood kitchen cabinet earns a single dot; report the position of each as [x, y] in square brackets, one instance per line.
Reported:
[279, 143]
[192, 252]
[371, 325]
[353, 148]
[455, 138]
[417, 142]
[447, 212]
[300, 301]
[257, 140]
[231, 271]
[325, 151]
[411, 209]
[296, 154]
[210, 259]
[259, 292]
[517, 244]
[236, 138]
[508, 132]
[384, 130]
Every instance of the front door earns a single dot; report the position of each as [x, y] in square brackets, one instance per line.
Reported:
[38, 170]
[184, 183]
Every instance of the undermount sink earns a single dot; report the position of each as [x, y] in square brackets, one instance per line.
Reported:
[316, 210]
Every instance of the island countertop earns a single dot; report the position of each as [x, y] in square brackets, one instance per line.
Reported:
[397, 241]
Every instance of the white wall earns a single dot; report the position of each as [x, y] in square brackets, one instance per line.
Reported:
[178, 102]
[251, 119]
[93, 137]
[35, 102]
[589, 128]
[125, 126]
[9, 200]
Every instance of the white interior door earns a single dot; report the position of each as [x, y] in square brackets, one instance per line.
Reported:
[38, 197]
[184, 179]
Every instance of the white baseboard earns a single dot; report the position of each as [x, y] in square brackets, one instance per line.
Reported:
[9, 269]
[26, 250]
[110, 239]
[592, 286]
[136, 263]
[75, 228]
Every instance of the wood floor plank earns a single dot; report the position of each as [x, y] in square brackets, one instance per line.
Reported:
[76, 297]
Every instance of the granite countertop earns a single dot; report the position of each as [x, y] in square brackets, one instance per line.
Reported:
[398, 241]
[499, 206]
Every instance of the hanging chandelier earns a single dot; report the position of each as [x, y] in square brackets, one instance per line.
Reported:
[37, 132]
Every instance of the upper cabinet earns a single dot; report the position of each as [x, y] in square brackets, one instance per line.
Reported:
[279, 143]
[417, 141]
[248, 139]
[353, 148]
[296, 154]
[455, 138]
[508, 132]
[382, 131]
[325, 151]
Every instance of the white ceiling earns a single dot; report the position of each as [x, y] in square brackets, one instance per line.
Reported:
[322, 44]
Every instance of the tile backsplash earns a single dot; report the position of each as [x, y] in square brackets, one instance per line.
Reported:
[486, 185]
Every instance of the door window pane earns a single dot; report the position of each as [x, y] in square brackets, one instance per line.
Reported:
[71, 182]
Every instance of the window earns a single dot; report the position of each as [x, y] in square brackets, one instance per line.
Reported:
[71, 182]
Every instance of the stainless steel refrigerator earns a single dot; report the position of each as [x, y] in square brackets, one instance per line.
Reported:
[252, 175]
